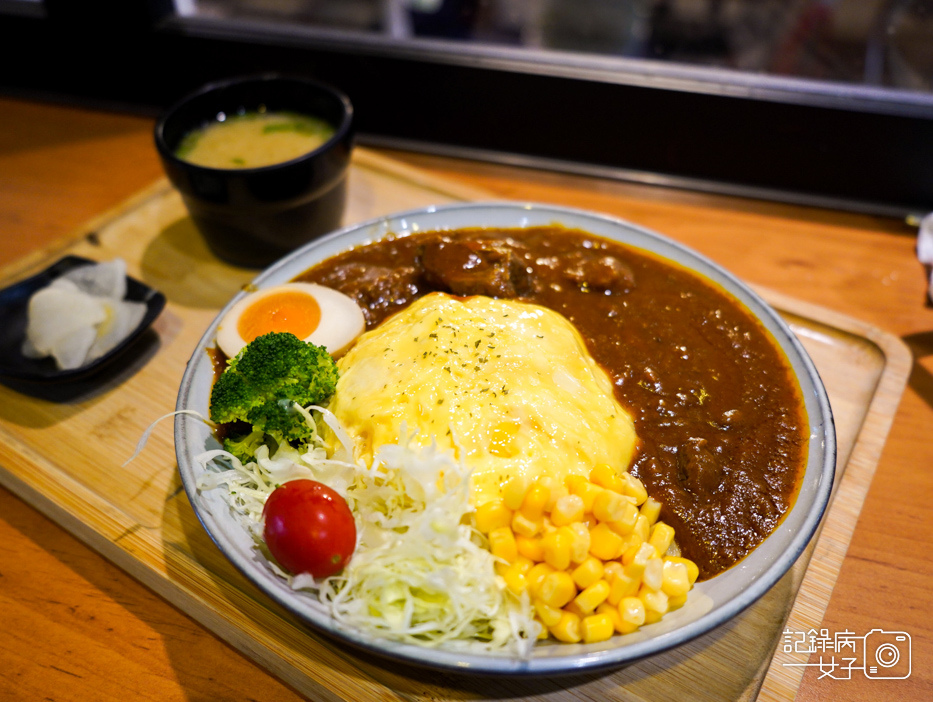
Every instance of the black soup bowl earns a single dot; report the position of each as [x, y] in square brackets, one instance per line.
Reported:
[253, 216]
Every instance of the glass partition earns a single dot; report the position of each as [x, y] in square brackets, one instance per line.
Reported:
[822, 102]
[886, 43]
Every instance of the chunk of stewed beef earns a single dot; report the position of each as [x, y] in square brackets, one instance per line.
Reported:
[598, 271]
[378, 290]
[700, 469]
[479, 266]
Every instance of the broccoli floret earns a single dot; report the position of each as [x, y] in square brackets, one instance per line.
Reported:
[265, 381]
[244, 446]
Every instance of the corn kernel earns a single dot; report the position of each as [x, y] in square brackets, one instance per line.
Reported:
[596, 628]
[523, 563]
[588, 552]
[588, 572]
[544, 633]
[580, 486]
[622, 585]
[634, 487]
[606, 476]
[535, 501]
[675, 581]
[567, 509]
[661, 536]
[613, 614]
[502, 544]
[692, 571]
[624, 525]
[609, 506]
[652, 617]
[644, 554]
[574, 608]
[579, 542]
[654, 601]
[573, 481]
[593, 596]
[651, 508]
[556, 489]
[524, 526]
[513, 492]
[611, 569]
[515, 579]
[605, 544]
[632, 613]
[642, 527]
[635, 570]
[556, 545]
[630, 548]
[567, 629]
[529, 547]
[557, 589]
[653, 576]
[548, 615]
[535, 576]
[492, 515]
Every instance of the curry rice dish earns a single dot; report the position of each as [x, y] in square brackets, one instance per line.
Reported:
[719, 418]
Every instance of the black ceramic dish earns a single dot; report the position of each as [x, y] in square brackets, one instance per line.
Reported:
[254, 216]
[14, 301]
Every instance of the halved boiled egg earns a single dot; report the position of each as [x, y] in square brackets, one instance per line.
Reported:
[314, 313]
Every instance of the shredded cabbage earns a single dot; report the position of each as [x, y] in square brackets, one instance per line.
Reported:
[420, 573]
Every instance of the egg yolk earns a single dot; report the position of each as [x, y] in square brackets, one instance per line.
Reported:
[290, 311]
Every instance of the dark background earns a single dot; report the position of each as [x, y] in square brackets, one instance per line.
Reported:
[833, 147]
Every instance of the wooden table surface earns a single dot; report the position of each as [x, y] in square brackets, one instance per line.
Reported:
[75, 627]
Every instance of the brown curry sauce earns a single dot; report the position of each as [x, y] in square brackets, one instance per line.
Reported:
[717, 410]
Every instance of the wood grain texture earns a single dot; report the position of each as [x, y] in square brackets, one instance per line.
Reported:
[142, 520]
[858, 265]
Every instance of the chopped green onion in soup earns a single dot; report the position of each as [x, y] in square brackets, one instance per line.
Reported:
[254, 139]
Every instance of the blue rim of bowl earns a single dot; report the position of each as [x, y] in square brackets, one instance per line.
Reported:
[14, 300]
[578, 660]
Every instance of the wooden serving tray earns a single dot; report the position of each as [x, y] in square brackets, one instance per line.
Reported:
[62, 450]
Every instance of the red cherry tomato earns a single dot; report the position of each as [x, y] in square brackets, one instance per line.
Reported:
[309, 528]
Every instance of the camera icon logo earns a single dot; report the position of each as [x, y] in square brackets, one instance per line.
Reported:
[887, 654]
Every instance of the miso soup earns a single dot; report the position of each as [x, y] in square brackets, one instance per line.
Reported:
[253, 139]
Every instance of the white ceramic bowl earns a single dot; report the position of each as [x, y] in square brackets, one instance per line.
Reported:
[709, 604]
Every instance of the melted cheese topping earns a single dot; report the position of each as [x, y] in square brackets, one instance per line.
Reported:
[508, 386]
